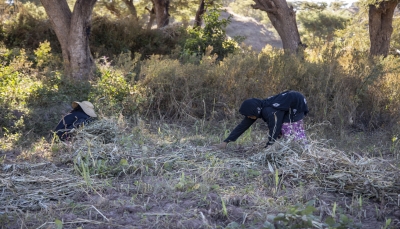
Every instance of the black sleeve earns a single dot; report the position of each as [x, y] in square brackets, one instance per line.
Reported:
[65, 124]
[274, 122]
[240, 129]
[78, 123]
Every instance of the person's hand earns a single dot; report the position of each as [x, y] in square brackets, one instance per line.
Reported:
[269, 143]
[221, 145]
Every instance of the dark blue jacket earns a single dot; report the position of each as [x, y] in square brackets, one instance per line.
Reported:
[72, 120]
[288, 106]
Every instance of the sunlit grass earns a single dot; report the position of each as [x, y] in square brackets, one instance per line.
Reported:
[152, 144]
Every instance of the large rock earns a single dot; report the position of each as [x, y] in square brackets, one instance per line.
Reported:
[257, 35]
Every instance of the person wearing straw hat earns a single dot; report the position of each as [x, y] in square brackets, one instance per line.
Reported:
[82, 113]
[283, 114]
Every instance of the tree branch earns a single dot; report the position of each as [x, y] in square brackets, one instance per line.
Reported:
[111, 7]
[265, 5]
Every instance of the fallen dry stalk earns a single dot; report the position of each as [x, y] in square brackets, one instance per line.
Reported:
[334, 170]
[37, 186]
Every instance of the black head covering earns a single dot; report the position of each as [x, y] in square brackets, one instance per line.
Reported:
[78, 108]
[251, 107]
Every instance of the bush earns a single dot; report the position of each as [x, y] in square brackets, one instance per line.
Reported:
[115, 91]
[342, 86]
[111, 37]
[29, 28]
[318, 27]
[175, 90]
[213, 34]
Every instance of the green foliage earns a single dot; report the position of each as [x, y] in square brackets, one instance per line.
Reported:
[344, 85]
[29, 28]
[15, 89]
[114, 90]
[8, 8]
[112, 85]
[165, 98]
[88, 165]
[185, 184]
[42, 53]
[337, 5]
[179, 10]
[319, 26]
[58, 223]
[112, 37]
[395, 39]
[30, 102]
[13, 85]
[296, 217]
[44, 57]
[109, 35]
[342, 222]
[341, 85]
[183, 10]
[213, 34]
[244, 8]
[299, 216]
[310, 6]
[387, 223]
[355, 35]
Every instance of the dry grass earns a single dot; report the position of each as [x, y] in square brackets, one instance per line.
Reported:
[33, 187]
[335, 170]
[118, 175]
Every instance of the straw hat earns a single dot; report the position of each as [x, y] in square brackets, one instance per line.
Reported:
[86, 106]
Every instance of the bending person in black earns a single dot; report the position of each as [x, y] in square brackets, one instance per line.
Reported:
[81, 114]
[283, 114]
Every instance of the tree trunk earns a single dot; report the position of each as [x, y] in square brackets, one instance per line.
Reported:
[283, 18]
[161, 8]
[200, 11]
[73, 30]
[132, 8]
[380, 27]
[152, 13]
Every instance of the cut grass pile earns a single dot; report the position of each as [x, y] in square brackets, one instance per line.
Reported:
[119, 175]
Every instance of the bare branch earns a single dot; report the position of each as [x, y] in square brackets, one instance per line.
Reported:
[265, 5]
[132, 8]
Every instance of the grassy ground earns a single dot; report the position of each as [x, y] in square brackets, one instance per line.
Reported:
[119, 174]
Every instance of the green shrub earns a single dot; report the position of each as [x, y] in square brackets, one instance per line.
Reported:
[299, 216]
[115, 91]
[15, 89]
[46, 59]
[112, 37]
[213, 34]
[28, 28]
[395, 39]
[31, 102]
[318, 27]
[343, 85]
